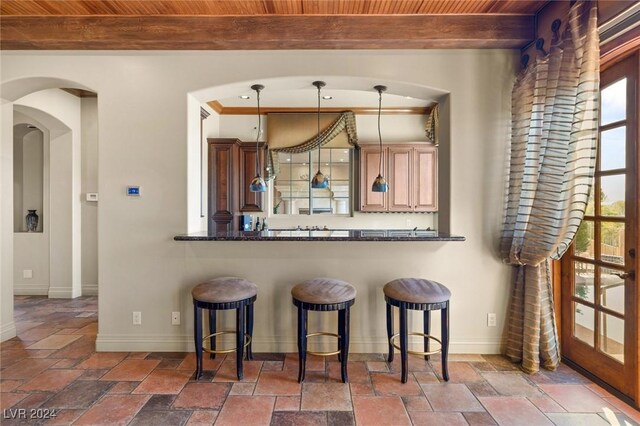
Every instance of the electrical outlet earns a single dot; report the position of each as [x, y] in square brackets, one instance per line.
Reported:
[27, 273]
[491, 320]
[137, 318]
[175, 318]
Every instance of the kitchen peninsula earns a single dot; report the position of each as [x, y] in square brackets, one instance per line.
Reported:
[324, 235]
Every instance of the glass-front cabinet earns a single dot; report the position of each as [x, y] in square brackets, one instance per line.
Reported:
[293, 195]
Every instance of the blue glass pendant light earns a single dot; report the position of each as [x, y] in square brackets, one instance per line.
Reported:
[380, 183]
[319, 181]
[258, 184]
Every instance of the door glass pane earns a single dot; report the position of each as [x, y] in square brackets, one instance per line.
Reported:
[583, 324]
[612, 336]
[583, 279]
[612, 195]
[591, 210]
[584, 240]
[611, 290]
[614, 102]
[612, 148]
[612, 242]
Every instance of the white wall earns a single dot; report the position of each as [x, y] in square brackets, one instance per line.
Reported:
[89, 209]
[143, 140]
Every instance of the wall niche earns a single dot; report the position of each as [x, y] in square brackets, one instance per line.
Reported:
[28, 175]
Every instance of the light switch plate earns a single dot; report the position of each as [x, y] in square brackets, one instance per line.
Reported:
[92, 196]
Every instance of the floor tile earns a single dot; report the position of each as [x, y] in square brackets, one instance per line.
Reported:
[389, 384]
[189, 362]
[313, 363]
[582, 419]
[27, 368]
[163, 382]
[242, 389]
[626, 409]
[51, 380]
[514, 410]
[8, 400]
[326, 397]
[81, 348]
[103, 360]
[287, 403]
[431, 418]
[299, 418]
[461, 372]
[377, 366]
[113, 410]
[340, 418]
[416, 403]
[34, 400]
[451, 397]
[64, 417]
[361, 389]
[464, 358]
[425, 377]
[479, 419]
[159, 402]
[272, 365]
[511, 384]
[576, 398]
[202, 418]
[131, 370]
[356, 371]
[65, 363]
[9, 385]
[79, 394]
[250, 410]
[621, 418]
[501, 363]
[57, 341]
[279, 383]
[384, 410]
[209, 396]
[482, 389]
[228, 372]
[124, 387]
[546, 404]
[37, 333]
[154, 418]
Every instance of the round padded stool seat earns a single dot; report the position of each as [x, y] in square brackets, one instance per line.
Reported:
[324, 291]
[416, 290]
[224, 290]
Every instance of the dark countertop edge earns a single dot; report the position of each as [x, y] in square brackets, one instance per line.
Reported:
[271, 238]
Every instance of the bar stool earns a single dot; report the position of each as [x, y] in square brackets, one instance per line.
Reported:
[422, 295]
[221, 294]
[323, 294]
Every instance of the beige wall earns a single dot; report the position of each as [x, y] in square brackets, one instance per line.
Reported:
[143, 131]
[89, 209]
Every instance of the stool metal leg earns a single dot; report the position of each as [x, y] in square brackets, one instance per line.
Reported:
[390, 331]
[445, 341]
[340, 333]
[212, 330]
[250, 331]
[197, 326]
[240, 328]
[427, 331]
[403, 342]
[344, 342]
[302, 343]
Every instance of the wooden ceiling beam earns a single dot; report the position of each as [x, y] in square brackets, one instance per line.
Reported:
[265, 32]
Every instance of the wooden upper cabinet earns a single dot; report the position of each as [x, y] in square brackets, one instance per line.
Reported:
[411, 171]
[232, 166]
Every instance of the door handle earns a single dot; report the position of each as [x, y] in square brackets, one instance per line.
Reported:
[625, 275]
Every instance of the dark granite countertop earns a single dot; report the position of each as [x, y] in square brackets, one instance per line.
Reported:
[324, 235]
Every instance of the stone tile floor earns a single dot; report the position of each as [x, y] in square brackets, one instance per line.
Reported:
[52, 368]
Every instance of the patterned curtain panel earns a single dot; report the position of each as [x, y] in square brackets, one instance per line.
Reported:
[555, 104]
[432, 125]
[345, 122]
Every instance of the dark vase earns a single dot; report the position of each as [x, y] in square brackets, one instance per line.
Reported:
[32, 221]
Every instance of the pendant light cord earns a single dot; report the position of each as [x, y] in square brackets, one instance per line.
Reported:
[318, 127]
[258, 135]
[379, 132]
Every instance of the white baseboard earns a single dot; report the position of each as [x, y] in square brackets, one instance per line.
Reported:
[31, 289]
[63, 293]
[184, 343]
[89, 289]
[7, 331]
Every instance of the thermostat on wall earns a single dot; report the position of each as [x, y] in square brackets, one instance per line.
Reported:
[133, 191]
[92, 196]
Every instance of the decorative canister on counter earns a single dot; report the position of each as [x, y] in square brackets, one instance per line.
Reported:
[32, 221]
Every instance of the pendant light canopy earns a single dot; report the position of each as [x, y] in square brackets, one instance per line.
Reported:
[380, 183]
[258, 184]
[319, 181]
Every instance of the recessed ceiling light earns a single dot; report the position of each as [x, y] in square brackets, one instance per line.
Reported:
[345, 151]
[326, 164]
[288, 159]
[408, 97]
[244, 97]
[327, 97]
[304, 164]
[342, 159]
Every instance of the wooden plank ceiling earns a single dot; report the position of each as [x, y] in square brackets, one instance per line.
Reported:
[266, 24]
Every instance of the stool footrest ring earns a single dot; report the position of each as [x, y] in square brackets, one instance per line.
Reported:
[205, 339]
[417, 352]
[320, 333]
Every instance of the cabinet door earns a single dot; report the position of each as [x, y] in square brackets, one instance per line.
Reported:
[425, 179]
[369, 165]
[223, 161]
[400, 179]
[250, 201]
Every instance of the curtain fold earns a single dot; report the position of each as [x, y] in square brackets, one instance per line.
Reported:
[345, 122]
[553, 146]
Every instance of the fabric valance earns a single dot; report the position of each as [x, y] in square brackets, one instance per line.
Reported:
[298, 132]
